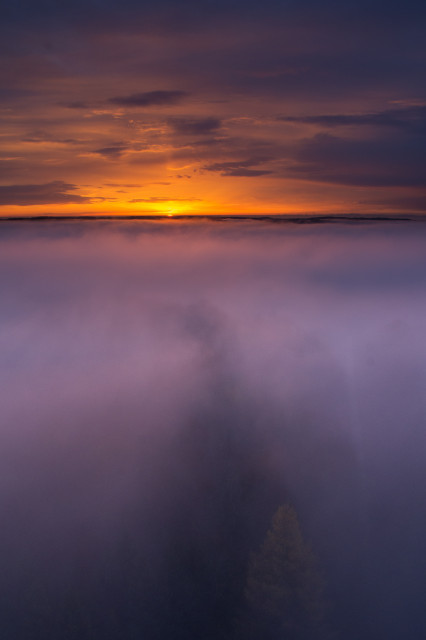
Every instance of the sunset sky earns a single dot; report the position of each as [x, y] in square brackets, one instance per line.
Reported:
[239, 107]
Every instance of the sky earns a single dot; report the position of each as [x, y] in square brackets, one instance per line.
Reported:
[200, 107]
[177, 381]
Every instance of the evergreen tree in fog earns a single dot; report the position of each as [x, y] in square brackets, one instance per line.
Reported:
[284, 589]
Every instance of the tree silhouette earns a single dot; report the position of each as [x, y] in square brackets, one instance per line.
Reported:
[284, 590]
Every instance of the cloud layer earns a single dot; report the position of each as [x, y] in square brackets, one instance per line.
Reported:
[156, 93]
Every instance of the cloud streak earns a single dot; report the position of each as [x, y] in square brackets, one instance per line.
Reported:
[150, 99]
[410, 119]
[160, 199]
[56, 192]
[241, 169]
[194, 126]
[115, 151]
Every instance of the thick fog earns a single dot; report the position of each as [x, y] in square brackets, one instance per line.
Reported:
[166, 386]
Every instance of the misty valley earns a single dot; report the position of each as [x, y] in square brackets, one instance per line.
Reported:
[212, 430]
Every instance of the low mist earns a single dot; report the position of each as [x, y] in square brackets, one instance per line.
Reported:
[167, 386]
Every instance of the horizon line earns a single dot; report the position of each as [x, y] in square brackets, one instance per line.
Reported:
[274, 217]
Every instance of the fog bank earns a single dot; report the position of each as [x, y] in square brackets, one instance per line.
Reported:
[166, 386]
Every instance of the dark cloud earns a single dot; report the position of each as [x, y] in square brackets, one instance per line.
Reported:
[194, 126]
[242, 169]
[389, 161]
[159, 199]
[114, 151]
[324, 43]
[412, 119]
[163, 14]
[42, 137]
[150, 98]
[56, 192]
[131, 185]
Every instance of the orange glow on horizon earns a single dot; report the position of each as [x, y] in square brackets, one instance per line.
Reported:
[108, 200]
